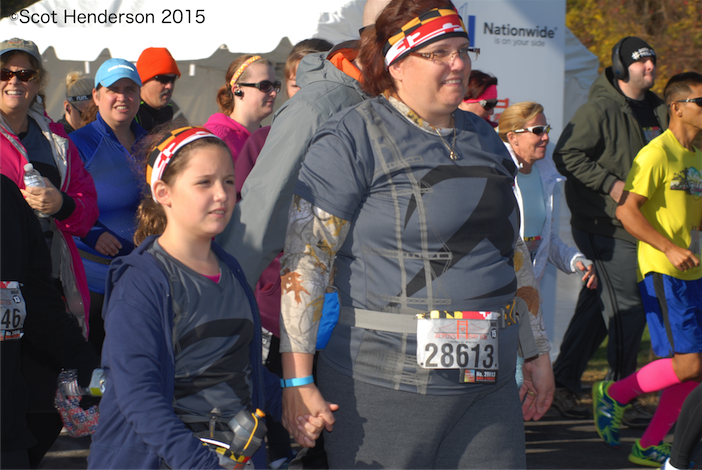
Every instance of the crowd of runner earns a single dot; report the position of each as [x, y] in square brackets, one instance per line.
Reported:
[367, 266]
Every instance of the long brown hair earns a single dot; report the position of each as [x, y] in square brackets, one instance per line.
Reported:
[376, 77]
[225, 97]
[151, 218]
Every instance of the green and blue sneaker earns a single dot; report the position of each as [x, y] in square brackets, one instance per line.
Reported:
[653, 456]
[607, 413]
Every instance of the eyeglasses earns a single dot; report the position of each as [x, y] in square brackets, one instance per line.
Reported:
[264, 86]
[22, 75]
[697, 101]
[536, 130]
[165, 79]
[444, 57]
[488, 105]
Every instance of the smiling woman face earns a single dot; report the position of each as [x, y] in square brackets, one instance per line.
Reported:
[118, 103]
[431, 88]
[529, 147]
[17, 96]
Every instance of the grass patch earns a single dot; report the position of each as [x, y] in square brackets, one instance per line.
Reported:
[598, 364]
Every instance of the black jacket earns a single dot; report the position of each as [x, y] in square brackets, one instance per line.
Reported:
[595, 149]
[26, 259]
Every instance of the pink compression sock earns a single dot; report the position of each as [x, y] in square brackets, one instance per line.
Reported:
[667, 413]
[652, 377]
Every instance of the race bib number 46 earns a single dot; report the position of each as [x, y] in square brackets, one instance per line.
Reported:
[14, 311]
[469, 343]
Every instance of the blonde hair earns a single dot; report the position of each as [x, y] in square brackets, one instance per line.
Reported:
[151, 218]
[78, 84]
[516, 116]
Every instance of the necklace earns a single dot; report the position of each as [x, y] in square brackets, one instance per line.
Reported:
[452, 152]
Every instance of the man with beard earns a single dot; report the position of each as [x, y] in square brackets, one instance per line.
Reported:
[158, 72]
[595, 152]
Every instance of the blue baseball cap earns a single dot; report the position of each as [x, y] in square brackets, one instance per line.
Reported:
[114, 69]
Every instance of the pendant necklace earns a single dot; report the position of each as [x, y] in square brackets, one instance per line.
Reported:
[452, 153]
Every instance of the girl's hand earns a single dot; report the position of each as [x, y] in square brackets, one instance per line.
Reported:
[46, 200]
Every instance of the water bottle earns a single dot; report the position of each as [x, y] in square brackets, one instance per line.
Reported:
[32, 178]
[68, 383]
[249, 431]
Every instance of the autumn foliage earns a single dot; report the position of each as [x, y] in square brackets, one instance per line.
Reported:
[672, 27]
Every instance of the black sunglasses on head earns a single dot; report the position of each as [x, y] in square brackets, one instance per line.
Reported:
[22, 75]
[165, 79]
[264, 86]
[697, 101]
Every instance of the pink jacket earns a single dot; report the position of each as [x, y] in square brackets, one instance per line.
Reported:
[230, 131]
[77, 183]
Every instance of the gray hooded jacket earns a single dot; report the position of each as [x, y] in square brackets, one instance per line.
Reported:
[256, 233]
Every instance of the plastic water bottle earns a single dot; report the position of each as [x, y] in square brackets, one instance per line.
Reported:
[68, 383]
[32, 178]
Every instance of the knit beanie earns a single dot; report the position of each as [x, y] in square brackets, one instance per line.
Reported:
[156, 61]
[634, 49]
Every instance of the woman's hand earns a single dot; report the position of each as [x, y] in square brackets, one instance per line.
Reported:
[306, 413]
[537, 390]
[45, 200]
[589, 274]
[108, 245]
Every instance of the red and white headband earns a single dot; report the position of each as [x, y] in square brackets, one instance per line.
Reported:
[163, 153]
[429, 27]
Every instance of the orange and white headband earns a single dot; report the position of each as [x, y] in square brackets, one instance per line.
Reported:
[241, 69]
[161, 156]
[439, 23]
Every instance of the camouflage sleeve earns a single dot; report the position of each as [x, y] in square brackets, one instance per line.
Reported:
[313, 239]
[529, 292]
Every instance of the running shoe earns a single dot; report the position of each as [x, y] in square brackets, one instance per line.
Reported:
[607, 413]
[568, 404]
[653, 456]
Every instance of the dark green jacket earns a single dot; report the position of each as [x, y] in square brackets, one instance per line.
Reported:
[597, 148]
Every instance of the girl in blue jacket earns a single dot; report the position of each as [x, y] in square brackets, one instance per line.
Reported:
[182, 353]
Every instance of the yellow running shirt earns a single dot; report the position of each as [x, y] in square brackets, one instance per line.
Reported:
[670, 177]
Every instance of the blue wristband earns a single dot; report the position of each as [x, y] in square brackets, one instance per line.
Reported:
[284, 383]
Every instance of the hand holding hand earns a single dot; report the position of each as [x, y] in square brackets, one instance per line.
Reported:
[306, 413]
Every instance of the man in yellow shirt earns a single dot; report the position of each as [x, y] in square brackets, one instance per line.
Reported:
[662, 207]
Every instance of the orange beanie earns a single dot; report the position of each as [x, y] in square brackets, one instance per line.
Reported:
[156, 61]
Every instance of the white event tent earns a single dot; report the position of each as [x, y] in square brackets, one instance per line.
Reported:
[524, 43]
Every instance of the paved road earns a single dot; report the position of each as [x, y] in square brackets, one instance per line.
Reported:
[552, 443]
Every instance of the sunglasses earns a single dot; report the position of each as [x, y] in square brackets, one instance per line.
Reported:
[697, 101]
[488, 105]
[22, 75]
[536, 130]
[165, 79]
[264, 86]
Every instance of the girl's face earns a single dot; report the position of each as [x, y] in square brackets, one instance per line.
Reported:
[201, 199]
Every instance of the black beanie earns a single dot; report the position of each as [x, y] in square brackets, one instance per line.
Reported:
[633, 49]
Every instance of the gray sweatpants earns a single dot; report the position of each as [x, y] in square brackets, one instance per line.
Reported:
[378, 427]
[614, 309]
